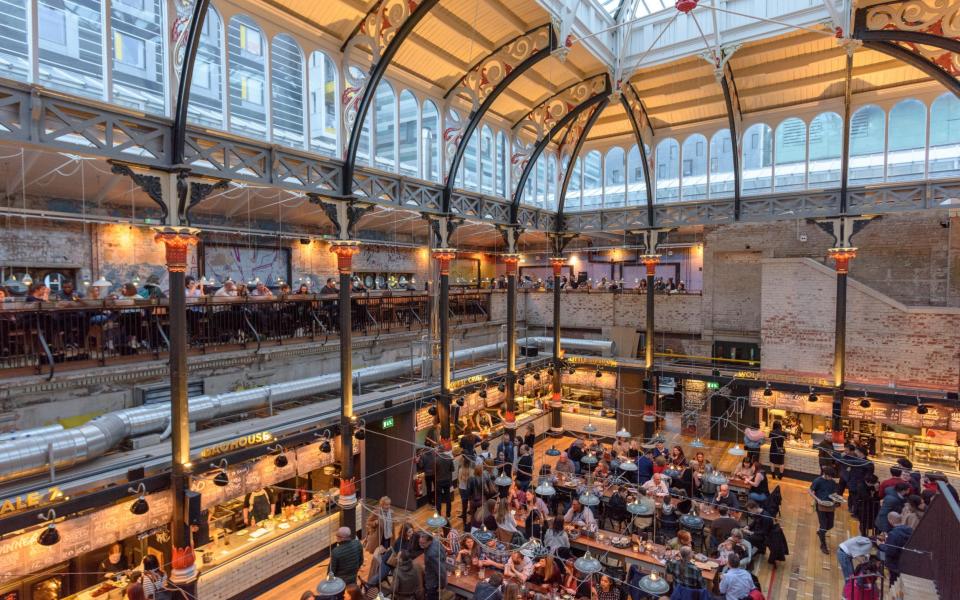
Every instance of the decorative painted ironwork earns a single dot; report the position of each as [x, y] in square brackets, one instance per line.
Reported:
[374, 33]
[938, 19]
[151, 185]
[544, 117]
[180, 32]
[452, 136]
[485, 75]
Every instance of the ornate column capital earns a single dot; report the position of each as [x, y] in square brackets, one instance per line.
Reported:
[650, 261]
[345, 250]
[443, 257]
[557, 262]
[842, 256]
[177, 241]
[511, 261]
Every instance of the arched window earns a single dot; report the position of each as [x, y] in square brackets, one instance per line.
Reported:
[138, 50]
[945, 137]
[693, 177]
[789, 172]
[15, 51]
[385, 128]
[503, 167]
[486, 160]
[825, 148]
[571, 202]
[541, 190]
[668, 170]
[286, 82]
[866, 145]
[592, 188]
[70, 40]
[552, 183]
[907, 142]
[757, 157]
[430, 127]
[248, 76]
[206, 88]
[615, 182]
[471, 156]
[409, 114]
[636, 187]
[721, 165]
[323, 104]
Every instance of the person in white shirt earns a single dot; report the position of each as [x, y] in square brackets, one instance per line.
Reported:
[736, 583]
[579, 515]
[229, 289]
[657, 485]
[261, 291]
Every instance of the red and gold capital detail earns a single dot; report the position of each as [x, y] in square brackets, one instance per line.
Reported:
[443, 257]
[511, 261]
[650, 261]
[557, 262]
[345, 251]
[842, 257]
[177, 241]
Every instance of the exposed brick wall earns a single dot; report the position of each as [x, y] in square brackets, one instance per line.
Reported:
[674, 313]
[887, 342]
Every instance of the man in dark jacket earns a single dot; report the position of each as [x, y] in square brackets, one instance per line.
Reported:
[444, 466]
[428, 462]
[893, 501]
[892, 547]
[347, 556]
[645, 467]
[525, 467]
[760, 525]
[434, 566]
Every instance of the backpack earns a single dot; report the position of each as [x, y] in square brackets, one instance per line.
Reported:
[756, 594]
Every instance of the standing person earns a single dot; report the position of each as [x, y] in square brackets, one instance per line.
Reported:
[892, 547]
[892, 502]
[384, 512]
[464, 472]
[346, 558]
[434, 567]
[868, 503]
[820, 490]
[444, 466]
[115, 562]
[525, 467]
[753, 438]
[507, 450]
[645, 467]
[825, 453]
[428, 463]
[777, 452]
[529, 438]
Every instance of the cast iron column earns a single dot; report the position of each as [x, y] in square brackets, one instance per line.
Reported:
[444, 256]
[649, 385]
[842, 257]
[345, 251]
[511, 261]
[177, 241]
[556, 399]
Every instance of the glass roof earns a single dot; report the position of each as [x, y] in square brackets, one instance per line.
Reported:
[649, 7]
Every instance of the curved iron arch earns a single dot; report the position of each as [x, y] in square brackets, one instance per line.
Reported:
[573, 159]
[542, 144]
[641, 144]
[186, 79]
[477, 115]
[374, 77]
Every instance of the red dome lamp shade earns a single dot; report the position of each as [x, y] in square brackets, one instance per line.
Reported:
[685, 6]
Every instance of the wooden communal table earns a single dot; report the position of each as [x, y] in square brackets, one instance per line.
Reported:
[465, 585]
[644, 560]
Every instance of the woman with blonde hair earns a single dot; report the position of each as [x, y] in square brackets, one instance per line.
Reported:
[384, 512]
[511, 591]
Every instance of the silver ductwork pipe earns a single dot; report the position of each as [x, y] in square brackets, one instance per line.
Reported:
[604, 347]
[30, 451]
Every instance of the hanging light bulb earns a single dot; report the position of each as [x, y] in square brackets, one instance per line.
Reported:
[598, 374]
[812, 397]
[767, 391]
[436, 521]
[221, 479]
[922, 408]
[136, 278]
[281, 459]
[736, 450]
[27, 280]
[11, 281]
[697, 443]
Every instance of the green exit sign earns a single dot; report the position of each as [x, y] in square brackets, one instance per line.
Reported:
[387, 423]
[713, 385]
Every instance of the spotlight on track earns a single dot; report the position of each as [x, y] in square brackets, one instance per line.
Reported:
[139, 506]
[767, 391]
[50, 536]
[813, 396]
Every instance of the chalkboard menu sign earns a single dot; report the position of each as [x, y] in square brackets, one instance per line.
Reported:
[792, 402]
[424, 419]
[937, 417]
[21, 554]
